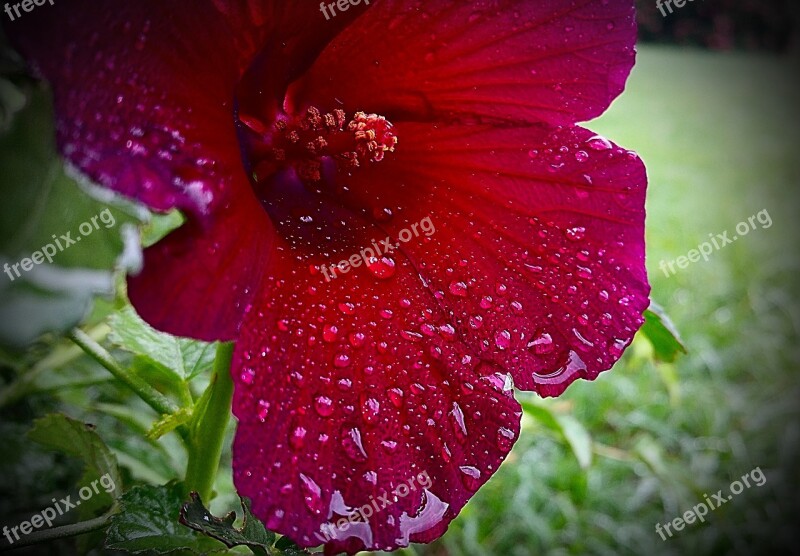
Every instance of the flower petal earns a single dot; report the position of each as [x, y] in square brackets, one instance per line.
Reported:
[147, 109]
[538, 255]
[560, 61]
[347, 391]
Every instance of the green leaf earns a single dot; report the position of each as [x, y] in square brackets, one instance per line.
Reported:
[79, 440]
[662, 334]
[578, 439]
[566, 427]
[180, 358]
[148, 523]
[252, 534]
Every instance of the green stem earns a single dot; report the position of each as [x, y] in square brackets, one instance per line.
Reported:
[208, 426]
[72, 530]
[150, 395]
[24, 385]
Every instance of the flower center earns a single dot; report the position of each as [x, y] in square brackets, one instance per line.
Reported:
[310, 142]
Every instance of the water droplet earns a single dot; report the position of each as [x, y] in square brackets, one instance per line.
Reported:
[353, 445]
[599, 143]
[341, 360]
[470, 476]
[312, 494]
[347, 308]
[502, 339]
[323, 405]
[446, 455]
[505, 439]
[389, 445]
[581, 156]
[476, 321]
[616, 347]
[447, 332]
[297, 438]
[459, 289]
[396, 397]
[274, 519]
[345, 384]
[330, 332]
[542, 344]
[357, 339]
[383, 268]
[575, 234]
[248, 375]
[459, 427]
[370, 408]
[263, 410]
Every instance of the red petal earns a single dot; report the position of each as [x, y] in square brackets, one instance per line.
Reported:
[345, 391]
[197, 282]
[560, 61]
[538, 255]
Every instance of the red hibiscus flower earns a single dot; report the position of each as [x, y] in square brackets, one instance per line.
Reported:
[429, 150]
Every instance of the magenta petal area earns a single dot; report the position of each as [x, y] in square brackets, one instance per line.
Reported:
[363, 421]
[145, 96]
[538, 253]
[559, 61]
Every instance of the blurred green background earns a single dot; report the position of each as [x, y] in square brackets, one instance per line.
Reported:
[596, 469]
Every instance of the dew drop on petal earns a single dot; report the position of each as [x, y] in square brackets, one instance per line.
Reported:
[542, 344]
[263, 410]
[505, 439]
[353, 445]
[248, 375]
[341, 360]
[575, 234]
[312, 494]
[396, 397]
[274, 519]
[599, 143]
[370, 408]
[330, 332]
[470, 476]
[323, 406]
[502, 339]
[459, 289]
[382, 268]
[459, 426]
[297, 438]
[357, 339]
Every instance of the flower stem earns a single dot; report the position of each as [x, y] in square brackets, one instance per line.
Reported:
[208, 426]
[65, 531]
[150, 395]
